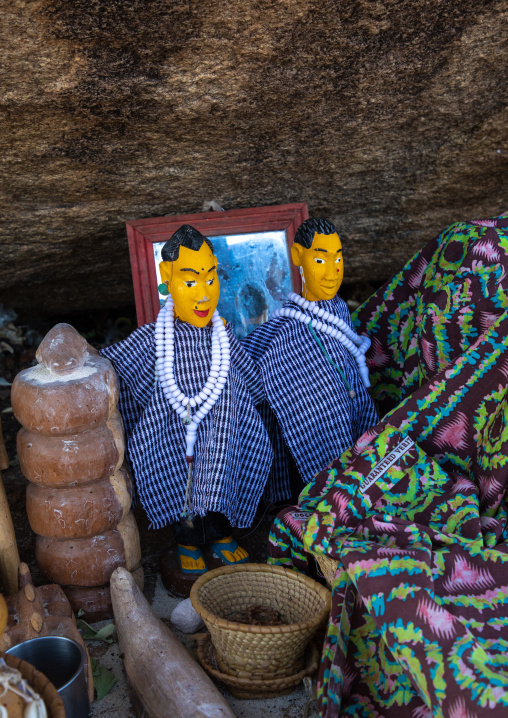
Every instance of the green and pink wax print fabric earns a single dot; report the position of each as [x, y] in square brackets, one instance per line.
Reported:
[435, 308]
[415, 514]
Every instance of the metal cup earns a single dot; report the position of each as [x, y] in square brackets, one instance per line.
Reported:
[63, 662]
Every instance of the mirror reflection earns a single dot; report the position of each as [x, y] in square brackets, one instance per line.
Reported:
[255, 276]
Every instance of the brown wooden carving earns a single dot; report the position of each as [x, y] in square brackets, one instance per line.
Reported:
[115, 425]
[56, 405]
[90, 561]
[166, 679]
[71, 448]
[42, 611]
[95, 602]
[62, 461]
[81, 511]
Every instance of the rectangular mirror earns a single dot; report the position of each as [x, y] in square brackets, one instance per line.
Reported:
[252, 249]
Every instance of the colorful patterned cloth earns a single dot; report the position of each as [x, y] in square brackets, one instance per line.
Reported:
[415, 513]
[435, 308]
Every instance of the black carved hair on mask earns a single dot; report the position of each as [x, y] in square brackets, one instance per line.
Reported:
[185, 236]
[306, 231]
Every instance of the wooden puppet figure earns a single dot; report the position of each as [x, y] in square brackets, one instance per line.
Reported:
[313, 362]
[197, 447]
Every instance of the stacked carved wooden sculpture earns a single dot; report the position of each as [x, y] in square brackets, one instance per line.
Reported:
[71, 449]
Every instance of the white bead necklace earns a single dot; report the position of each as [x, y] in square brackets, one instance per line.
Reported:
[210, 393]
[354, 343]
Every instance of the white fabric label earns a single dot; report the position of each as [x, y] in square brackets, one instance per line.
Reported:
[385, 463]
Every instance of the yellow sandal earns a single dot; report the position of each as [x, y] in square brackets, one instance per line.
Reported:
[229, 551]
[191, 559]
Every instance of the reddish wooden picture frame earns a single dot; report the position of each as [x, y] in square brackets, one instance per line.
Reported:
[143, 233]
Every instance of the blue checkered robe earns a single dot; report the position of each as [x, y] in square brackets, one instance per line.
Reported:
[317, 417]
[233, 454]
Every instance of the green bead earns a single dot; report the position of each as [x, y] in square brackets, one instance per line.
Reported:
[163, 289]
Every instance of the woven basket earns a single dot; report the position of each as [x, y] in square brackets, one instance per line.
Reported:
[249, 688]
[254, 652]
[39, 682]
[327, 566]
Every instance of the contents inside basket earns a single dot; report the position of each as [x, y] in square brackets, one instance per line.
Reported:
[257, 615]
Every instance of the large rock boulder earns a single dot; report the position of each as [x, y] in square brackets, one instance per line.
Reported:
[389, 118]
